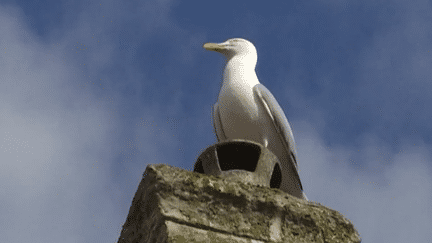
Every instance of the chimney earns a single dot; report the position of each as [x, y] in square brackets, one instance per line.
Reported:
[176, 205]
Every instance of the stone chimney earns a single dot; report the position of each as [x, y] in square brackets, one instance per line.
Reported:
[176, 205]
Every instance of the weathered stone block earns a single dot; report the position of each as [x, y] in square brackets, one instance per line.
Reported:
[175, 205]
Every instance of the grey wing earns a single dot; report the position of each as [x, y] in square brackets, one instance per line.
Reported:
[279, 120]
[217, 123]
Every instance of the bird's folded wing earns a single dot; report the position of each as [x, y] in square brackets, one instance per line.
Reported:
[278, 117]
[217, 123]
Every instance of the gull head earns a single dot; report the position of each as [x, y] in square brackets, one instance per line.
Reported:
[233, 48]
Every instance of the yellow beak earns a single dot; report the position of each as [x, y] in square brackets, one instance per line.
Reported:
[213, 46]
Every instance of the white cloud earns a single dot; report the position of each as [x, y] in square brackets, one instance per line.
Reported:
[60, 136]
[388, 201]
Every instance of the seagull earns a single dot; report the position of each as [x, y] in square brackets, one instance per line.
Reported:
[246, 109]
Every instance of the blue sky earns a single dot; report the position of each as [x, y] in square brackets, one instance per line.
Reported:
[93, 92]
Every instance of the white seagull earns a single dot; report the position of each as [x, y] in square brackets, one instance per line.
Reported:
[245, 109]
